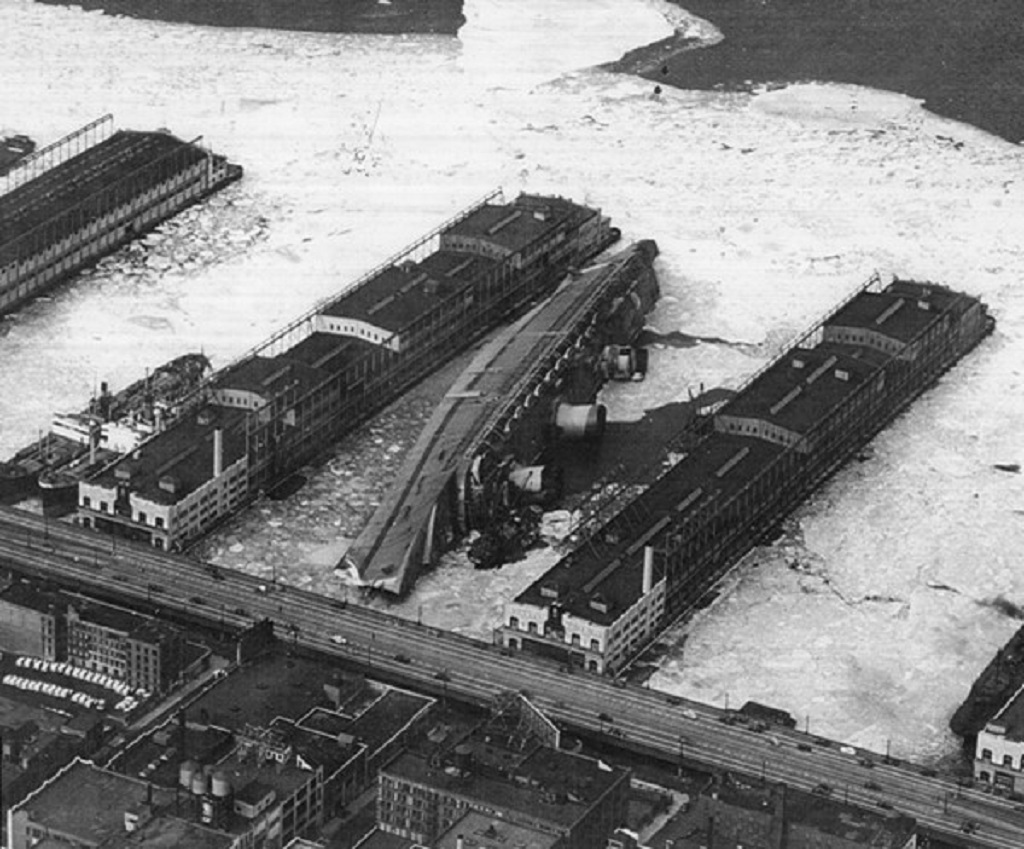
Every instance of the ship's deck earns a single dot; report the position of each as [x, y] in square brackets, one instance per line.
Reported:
[506, 369]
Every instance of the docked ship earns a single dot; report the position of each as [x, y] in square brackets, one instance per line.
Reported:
[284, 404]
[111, 425]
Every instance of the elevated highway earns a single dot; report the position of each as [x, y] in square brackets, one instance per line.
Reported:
[644, 721]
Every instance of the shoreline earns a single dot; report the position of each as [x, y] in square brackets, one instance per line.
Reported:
[355, 17]
[961, 61]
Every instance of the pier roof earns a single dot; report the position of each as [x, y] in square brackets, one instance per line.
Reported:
[183, 452]
[81, 181]
[330, 353]
[800, 389]
[609, 567]
[394, 297]
[514, 226]
[1010, 719]
[901, 311]
[268, 376]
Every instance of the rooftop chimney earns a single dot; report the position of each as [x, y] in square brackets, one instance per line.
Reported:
[648, 568]
[218, 452]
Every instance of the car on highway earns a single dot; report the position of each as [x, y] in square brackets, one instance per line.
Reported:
[872, 785]
[403, 658]
[822, 789]
[969, 827]
[689, 714]
[197, 600]
[848, 750]
[805, 747]
[338, 640]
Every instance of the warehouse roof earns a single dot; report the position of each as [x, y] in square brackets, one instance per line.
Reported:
[81, 181]
[901, 311]
[608, 569]
[182, 453]
[512, 227]
[800, 389]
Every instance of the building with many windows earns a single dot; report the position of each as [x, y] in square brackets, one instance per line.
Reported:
[999, 751]
[740, 471]
[143, 652]
[502, 770]
[279, 406]
[32, 621]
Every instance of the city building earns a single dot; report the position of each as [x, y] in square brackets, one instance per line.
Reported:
[32, 621]
[143, 652]
[741, 470]
[501, 771]
[82, 806]
[733, 812]
[999, 751]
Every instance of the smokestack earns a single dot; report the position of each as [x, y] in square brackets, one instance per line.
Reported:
[460, 843]
[648, 568]
[218, 452]
[94, 438]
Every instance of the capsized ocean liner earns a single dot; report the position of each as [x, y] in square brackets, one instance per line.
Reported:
[287, 401]
[111, 425]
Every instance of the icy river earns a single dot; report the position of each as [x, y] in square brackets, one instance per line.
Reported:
[871, 617]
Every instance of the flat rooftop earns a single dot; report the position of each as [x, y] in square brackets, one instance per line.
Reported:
[24, 594]
[183, 452]
[330, 353]
[1011, 717]
[826, 815]
[551, 786]
[317, 748]
[608, 568]
[268, 376]
[89, 802]
[396, 296]
[514, 226]
[81, 179]
[901, 311]
[800, 389]
[250, 781]
[485, 832]
[171, 832]
[387, 716]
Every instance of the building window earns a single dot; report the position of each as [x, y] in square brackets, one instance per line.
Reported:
[142, 518]
[532, 627]
[86, 501]
[595, 645]
[159, 521]
[1008, 761]
[103, 506]
[513, 622]
[575, 639]
[986, 754]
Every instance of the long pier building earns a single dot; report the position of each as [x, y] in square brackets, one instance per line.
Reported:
[790, 426]
[534, 382]
[285, 402]
[72, 202]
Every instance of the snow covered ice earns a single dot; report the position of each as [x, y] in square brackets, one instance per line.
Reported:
[870, 618]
